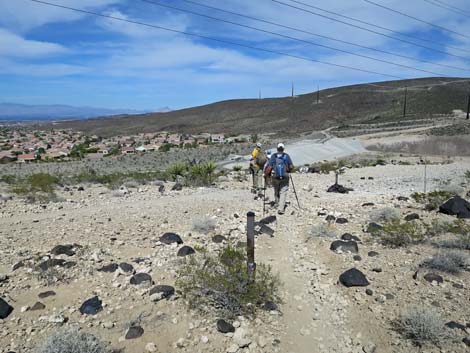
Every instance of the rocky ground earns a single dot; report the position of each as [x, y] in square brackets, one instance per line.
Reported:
[318, 313]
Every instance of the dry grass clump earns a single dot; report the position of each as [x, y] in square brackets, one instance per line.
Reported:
[397, 234]
[204, 225]
[432, 200]
[323, 230]
[448, 261]
[422, 325]
[387, 214]
[73, 341]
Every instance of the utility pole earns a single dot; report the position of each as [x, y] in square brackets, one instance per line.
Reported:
[318, 94]
[468, 107]
[404, 105]
[292, 89]
[259, 94]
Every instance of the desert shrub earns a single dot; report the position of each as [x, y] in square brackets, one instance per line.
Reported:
[8, 179]
[397, 234]
[204, 225]
[432, 200]
[221, 284]
[462, 243]
[40, 182]
[323, 230]
[386, 214]
[422, 325]
[237, 168]
[454, 189]
[449, 261]
[73, 341]
[201, 174]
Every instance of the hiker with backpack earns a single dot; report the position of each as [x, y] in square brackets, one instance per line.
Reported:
[280, 165]
[257, 161]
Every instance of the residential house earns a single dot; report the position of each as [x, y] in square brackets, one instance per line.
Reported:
[217, 138]
[7, 156]
[27, 157]
[127, 150]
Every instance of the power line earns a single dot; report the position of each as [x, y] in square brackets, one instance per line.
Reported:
[447, 7]
[453, 7]
[321, 36]
[417, 19]
[373, 31]
[214, 39]
[290, 37]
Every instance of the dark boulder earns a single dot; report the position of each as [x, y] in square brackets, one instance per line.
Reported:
[165, 291]
[268, 220]
[18, 265]
[169, 238]
[341, 220]
[112, 267]
[456, 206]
[357, 258]
[411, 217]
[224, 326]
[466, 341]
[344, 246]
[353, 278]
[264, 229]
[125, 267]
[38, 306]
[347, 236]
[372, 254]
[368, 204]
[269, 306]
[218, 239]
[185, 251]
[373, 227]
[51, 263]
[47, 294]
[141, 278]
[5, 309]
[340, 189]
[177, 187]
[91, 306]
[330, 218]
[456, 326]
[403, 198]
[161, 188]
[369, 291]
[68, 250]
[432, 277]
[133, 332]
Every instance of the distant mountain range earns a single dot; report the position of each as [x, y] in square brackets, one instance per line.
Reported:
[23, 112]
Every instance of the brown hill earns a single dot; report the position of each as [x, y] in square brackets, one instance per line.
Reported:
[374, 102]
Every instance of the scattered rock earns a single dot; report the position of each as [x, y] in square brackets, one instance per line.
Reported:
[141, 278]
[5, 309]
[369, 291]
[91, 306]
[348, 237]
[432, 277]
[330, 218]
[456, 326]
[185, 251]
[177, 187]
[270, 306]
[377, 270]
[218, 239]
[369, 348]
[51, 263]
[133, 332]
[353, 278]
[268, 220]
[240, 338]
[170, 238]
[161, 188]
[126, 268]
[38, 306]
[412, 217]
[373, 227]
[341, 220]
[224, 326]
[68, 250]
[112, 267]
[403, 198]
[368, 204]
[372, 254]
[339, 189]
[357, 258]
[164, 291]
[151, 347]
[466, 341]
[47, 294]
[456, 206]
[340, 246]
[17, 265]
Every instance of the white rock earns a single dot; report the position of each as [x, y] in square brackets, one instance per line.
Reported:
[232, 349]
[204, 339]
[239, 337]
[151, 347]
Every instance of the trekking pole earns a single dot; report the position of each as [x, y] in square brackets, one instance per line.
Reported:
[295, 192]
[264, 196]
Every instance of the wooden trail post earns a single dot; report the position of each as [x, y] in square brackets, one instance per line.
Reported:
[468, 107]
[250, 244]
[404, 104]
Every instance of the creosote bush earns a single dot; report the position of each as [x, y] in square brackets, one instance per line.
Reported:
[422, 325]
[220, 284]
[204, 225]
[322, 230]
[73, 341]
[462, 243]
[432, 200]
[397, 234]
[448, 261]
[387, 214]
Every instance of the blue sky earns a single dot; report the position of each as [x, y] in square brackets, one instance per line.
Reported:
[56, 56]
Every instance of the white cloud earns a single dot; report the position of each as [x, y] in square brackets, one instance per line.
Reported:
[14, 45]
